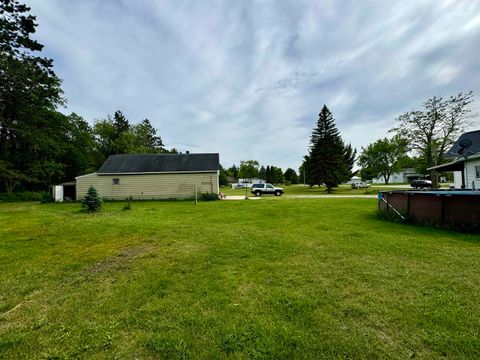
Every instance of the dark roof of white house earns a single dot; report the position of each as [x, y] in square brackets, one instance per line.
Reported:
[467, 144]
[148, 163]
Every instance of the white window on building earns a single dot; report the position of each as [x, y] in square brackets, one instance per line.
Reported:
[115, 181]
[477, 171]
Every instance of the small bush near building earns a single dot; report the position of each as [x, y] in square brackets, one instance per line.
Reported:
[128, 205]
[47, 198]
[92, 201]
[209, 196]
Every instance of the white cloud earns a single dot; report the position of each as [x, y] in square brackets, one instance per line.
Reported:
[247, 79]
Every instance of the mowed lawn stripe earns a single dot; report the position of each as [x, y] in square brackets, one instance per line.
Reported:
[276, 278]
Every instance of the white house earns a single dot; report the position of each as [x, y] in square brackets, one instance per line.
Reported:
[407, 175]
[243, 183]
[465, 164]
[354, 179]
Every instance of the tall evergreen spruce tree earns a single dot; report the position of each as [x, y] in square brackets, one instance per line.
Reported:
[268, 175]
[121, 123]
[330, 161]
[262, 173]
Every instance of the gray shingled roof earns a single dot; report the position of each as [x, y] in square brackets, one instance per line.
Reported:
[472, 137]
[138, 163]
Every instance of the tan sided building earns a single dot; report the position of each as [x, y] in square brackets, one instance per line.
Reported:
[153, 176]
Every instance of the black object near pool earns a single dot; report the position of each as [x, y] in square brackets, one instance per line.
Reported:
[456, 209]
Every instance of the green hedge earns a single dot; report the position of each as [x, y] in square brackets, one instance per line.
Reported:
[24, 196]
[209, 196]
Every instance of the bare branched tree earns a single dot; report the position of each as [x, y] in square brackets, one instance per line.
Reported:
[430, 131]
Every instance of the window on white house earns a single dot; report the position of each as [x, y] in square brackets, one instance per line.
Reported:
[477, 171]
[115, 181]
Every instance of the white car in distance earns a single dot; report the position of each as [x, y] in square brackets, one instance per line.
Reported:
[360, 185]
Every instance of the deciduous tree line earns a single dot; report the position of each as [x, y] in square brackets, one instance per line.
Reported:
[251, 169]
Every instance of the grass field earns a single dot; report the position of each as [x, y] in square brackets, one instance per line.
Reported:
[275, 278]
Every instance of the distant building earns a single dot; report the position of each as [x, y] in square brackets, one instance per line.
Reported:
[407, 175]
[247, 183]
[354, 179]
[251, 181]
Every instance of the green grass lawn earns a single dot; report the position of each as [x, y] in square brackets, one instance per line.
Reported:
[315, 190]
[277, 278]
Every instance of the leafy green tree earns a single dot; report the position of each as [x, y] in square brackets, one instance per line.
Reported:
[367, 173]
[63, 151]
[146, 138]
[268, 174]
[330, 161]
[303, 173]
[279, 177]
[276, 175]
[113, 136]
[16, 26]
[46, 172]
[222, 179]
[79, 157]
[431, 130]
[383, 157]
[262, 173]
[117, 136]
[38, 144]
[248, 169]
[291, 176]
[233, 171]
[29, 89]
[10, 177]
[408, 162]
[105, 136]
[92, 201]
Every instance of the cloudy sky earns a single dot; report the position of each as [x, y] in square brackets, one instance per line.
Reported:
[248, 78]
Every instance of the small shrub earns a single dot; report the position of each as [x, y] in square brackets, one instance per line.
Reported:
[209, 196]
[128, 205]
[47, 198]
[92, 201]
